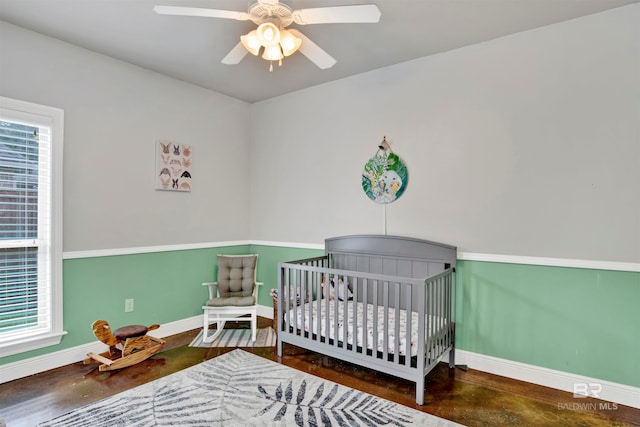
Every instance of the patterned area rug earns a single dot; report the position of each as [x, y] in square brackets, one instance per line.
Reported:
[241, 389]
[265, 337]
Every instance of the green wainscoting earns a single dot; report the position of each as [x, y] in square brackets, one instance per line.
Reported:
[165, 286]
[575, 320]
[581, 321]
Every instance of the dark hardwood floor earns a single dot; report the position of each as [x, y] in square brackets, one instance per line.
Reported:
[470, 397]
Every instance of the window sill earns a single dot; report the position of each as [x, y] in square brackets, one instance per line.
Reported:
[22, 345]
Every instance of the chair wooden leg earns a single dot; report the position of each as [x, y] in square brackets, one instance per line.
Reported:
[205, 331]
[233, 314]
[213, 336]
[254, 327]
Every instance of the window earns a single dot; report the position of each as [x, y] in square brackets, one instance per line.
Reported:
[30, 226]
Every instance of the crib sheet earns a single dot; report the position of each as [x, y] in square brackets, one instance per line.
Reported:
[310, 314]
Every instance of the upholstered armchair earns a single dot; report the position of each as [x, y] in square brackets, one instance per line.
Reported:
[234, 296]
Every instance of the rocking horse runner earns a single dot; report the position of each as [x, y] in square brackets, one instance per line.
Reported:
[127, 345]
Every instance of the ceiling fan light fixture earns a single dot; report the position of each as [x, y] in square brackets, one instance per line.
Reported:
[268, 34]
[251, 43]
[272, 18]
[289, 43]
[272, 53]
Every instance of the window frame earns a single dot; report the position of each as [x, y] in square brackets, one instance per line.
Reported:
[40, 115]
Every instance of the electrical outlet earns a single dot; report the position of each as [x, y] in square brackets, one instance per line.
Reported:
[128, 305]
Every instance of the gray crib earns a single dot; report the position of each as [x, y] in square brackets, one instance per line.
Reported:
[397, 315]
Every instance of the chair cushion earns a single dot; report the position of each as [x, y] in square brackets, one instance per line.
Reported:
[232, 301]
[236, 277]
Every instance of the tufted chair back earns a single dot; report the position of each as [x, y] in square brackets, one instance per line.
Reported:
[236, 275]
[236, 280]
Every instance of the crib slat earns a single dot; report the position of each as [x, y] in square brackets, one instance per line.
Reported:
[430, 319]
[441, 312]
[385, 331]
[301, 290]
[287, 296]
[450, 305]
[356, 317]
[336, 316]
[436, 320]
[317, 302]
[375, 318]
[421, 329]
[365, 317]
[396, 329]
[345, 309]
[409, 316]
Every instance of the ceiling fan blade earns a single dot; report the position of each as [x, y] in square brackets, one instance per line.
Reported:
[337, 15]
[314, 52]
[197, 11]
[235, 55]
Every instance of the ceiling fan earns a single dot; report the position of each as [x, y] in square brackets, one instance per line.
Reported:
[272, 35]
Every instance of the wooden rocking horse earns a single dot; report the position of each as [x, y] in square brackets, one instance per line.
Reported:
[127, 345]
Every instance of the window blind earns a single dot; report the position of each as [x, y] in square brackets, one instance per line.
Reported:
[25, 199]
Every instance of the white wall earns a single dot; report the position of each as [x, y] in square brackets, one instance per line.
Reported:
[524, 145]
[114, 112]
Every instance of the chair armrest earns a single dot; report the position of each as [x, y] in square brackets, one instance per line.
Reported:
[255, 290]
[213, 289]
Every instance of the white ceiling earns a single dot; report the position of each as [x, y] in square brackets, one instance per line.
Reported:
[191, 48]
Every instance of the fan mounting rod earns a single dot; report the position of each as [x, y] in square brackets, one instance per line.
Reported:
[267, 11]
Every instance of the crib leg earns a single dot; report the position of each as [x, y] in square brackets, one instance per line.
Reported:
[420, 391]
[452, 351]
[279, 346]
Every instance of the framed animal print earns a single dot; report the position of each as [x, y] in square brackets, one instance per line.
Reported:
[173, 166]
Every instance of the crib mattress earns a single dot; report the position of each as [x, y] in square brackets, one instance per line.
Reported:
[310, 313]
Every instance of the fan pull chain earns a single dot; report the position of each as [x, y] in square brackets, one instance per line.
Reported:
[271, 65]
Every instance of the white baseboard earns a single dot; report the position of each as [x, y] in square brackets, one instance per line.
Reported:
[264, 311]
[34, 365]
[611, 392]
